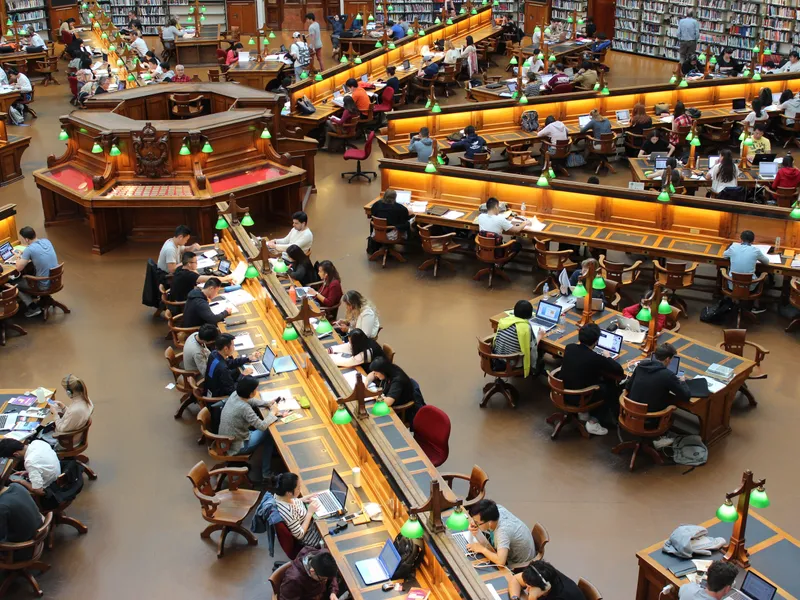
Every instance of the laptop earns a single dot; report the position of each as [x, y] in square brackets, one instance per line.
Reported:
[462, 538]
[338, 99]
[623, 116]
[365, 78]
[403, 196]
[610, 342]
[767, 170]
[223, 269]
[661, 163]
[657, 155]
[512, 87]
[269, 364]
[7, 253]
[713, 160]
[753, 587]
[674, 364]
[547, 315]
[739, 105]
[759, 158]
[629, 324]
[584, 120]
[332, 501]
[382, 567]
[406, 65]
[7, 421]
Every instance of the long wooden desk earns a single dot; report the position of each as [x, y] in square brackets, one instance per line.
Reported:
[641, 166]
[713, 412]
[30, 57]
[501, 118]
[8, 233]
[255, 74]
[201, 50]
[774, 555]
[8, 465]
[395, 472]
[11, 149]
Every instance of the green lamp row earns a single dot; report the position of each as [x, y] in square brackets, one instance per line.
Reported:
[645, 315]
[728, 512]
[247, 221]
[457, 521]
[598, 283]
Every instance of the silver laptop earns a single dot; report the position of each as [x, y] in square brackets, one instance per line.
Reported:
[382, 567]
[713, 160]
[776, 98]
[661, 163]
[7, 253]
[767, 170]
[365, 78]
[333, 500]
[8, 420]
[338, 100]
[610, 342]
[654, 156]
[629, 324]
[584, 120]
[753, 588]
[623, 116]
[547, 315]
[270, 363]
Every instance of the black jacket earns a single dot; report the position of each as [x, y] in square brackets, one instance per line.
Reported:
[471, 145]
[222, 374]
[183, 282]
[152, 277]
[396, 215]
[196, 311]
[583, 367]
[304, 273]
[652, 383]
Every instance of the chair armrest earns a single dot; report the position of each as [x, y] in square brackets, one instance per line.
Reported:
[207, 499]
[591, 388]
[505, 356]
[236, 475]
[34, 278]
[758, 348]
[692, 268]
[184, 372]
[315, 285]
[662, 413]
[449, 477]
[723, 273]
[633, 267]
[588, 137]
[760, 278]
[507, 244]
[443, 238]
[615, 301]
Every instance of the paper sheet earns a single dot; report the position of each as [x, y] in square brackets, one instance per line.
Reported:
[632, 337]
[203, 263]
[775, 259]
[220, 306]
[419, 206]
[453, 215]
[242, 342]
[288, 403]
[535, 225]
[238, 297]
[238, 273]
[210, 253]
[763, 247]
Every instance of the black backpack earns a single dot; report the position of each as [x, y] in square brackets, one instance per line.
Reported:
[716, 312]
[411, 555]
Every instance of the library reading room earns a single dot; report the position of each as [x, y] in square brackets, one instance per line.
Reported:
[591, 214]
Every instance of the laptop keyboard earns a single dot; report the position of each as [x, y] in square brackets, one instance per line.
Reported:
[328, 502]
[259, 368]
[7, 421]
[461, 540]
[737, 595]
[543, 323]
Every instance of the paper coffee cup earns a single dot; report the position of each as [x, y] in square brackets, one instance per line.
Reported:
[356, 477]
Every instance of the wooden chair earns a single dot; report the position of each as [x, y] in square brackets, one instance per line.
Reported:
[558, 159]
[218, 446]
[633, 417]
[561, 88]
[552, 262]
[623, 274]
[477, 484]
[178, 333]
[479, 160]
[512, 368]
[202, 401]
[588, 590]
[675, 276]
[682, 132]
[540, 540]
[44, 288]
[420, 88]
[12, 562]
[388, 352]
[673, 323]
[214, 75]
[346, 132]
[8, 308]
[735, 342]
[74, 444]
[568, 413]
[601, 149]
[714, 136]
[794, 300]
[21, 65]
[635, 141]
[611, 293]
[737, 287]
[180, 375]
[436, 246]
[277, 577]
[519, 156]
[784, 196]
[59, 513]
[176, 308]
[446, 78]
[224, 510]
[186, 106]
[28, 101]
[47, 67]
[331, 312]
[792, 130]
[170, 53]
[488, 251]
[382, 234]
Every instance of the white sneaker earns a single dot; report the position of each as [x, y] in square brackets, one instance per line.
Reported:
[663, 441]
[595, 428]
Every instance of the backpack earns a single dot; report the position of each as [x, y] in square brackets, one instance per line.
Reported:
[530, 121]
[305, 106]
[716, 312]
[16, 115]
[660, 108]
[688, 450]
[411, 555]
[303, 54]
[694, 113]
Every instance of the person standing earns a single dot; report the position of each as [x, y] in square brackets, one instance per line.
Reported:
[315, 38]
[688, 34]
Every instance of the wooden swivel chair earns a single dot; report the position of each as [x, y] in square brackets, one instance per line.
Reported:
[446, 78]
[180, 375]
[633, 417]
[73, 445]
[737, 287]
[170, 53]
[215, 75]
[26, 103]
[715, 136]
[558, 157]
[8, 308]
[540, 540]
[624, 275]
[178, 333]
[588, 590]
[277, 577]
[19, 559]
[734, 341]
[673, 320]
[479, 160]
[552, 262]
[568, 413]
[420, 88]
[44, 288]
[635, 141]
[682, 132]
[611, 293]
[601, 149]
[176, 308]
[346, 132]
[387, 236]
[47, 67]
[218, 447]
[477, 484]
[675, 276]
[783, 196]
[432, 433]
[794, 300]
[792, 130]
[488, 251]
[519, 156]
[224, 510]
[436, 246]
[512, 368]
[388, 352]
[186, 106]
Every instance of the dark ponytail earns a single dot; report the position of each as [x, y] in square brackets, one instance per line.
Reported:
[283, 483]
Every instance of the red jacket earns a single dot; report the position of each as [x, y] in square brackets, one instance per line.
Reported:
[332, 292]
[297, 584]
[631, 311]
[787, 177]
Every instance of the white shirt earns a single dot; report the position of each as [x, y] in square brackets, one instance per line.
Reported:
[537, 66]
[3, 77]
[791, 108]
[303, 238]
[367, 321]
[24, 83]
[789, 67]
[556, 132]
[493, 223]
[751, 118]
[294, 50]
[42, 465]
[140, 46]
[452, 56]
[717, 185]
[37, 41]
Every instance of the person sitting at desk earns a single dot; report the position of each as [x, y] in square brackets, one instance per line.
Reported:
[301, 268]
[792, 65]
[41, 253]
[360, 96]
[153, 67]
[196, 348]
[558, 78]
[299, 235]
[470, 53]
[680, 119]
[337, 28]
[20, 517]
[167, 74]
[727, 65]
[42, 466]
[576, 274]
[757, 115]
[397, 388]
[555, 131]
[133, 23]
[640, 120]
[357, 25]
[292, 507]
[653, 384]
[74, 416]
[138, 44]
[222, 370]
[788, 176]
[23, 84]
[174, 247]
[186, 278]
[396, 30]
[493, 222]
[333, 123]
[103, 85]
[513, 543]
[84, 74]
[540, 579]
[330, 293]
[601, 43]
[582, 367]
[358, 351]
[692, 67]
[422, 144]
[393, 82]
[197, 311]
[586, 77]
[471, 143]
[396, 215]
[360, 314]
[429, 70]
[761, 143]
[233, 53]
[598, 125]
[631, 311]
[170, 32]
[451, 54]
[744, 257]
[534, 86]
[516, 336]
[312, 575]
[34, 41]
[659, 173]
[180, 75]
[725, 173]
[719, 580]
[241, 413]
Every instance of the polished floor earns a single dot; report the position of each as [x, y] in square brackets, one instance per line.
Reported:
[144, 522]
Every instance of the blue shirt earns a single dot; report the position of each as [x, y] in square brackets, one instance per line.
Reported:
[688, 30]
[43, 256]
[398, 31]
[744, 257]
[431, 71]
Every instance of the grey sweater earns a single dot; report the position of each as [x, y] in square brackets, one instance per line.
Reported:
[237, 418]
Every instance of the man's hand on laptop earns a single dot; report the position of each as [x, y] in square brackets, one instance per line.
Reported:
[254, 356]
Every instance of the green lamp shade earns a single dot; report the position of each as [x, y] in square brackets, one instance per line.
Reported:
[104, 36]
[189, 19]
[341, 416]
[473, 11]
[63, 135]
[391, 46]
[303, 74]
[207, 148]
[496, 3]
[746, 73]
[537, 29]
[671, 189]
[221, 223]
[135, 59]
[247, 220]
[551, 58]
[323, 326]
[598, 283]
[695, 142]
[523, 99]
[527, 63]
[748, 141]
[664, 308]
[551, 173]
[540, 56]
[84, 6]
[673, 79]
[412, 528]
[428, 103]
[755, 48]
[795, 214]
[713, 60]
[251, 272]
[431, 168]
[513, 61]
[569, 19]
[580, 20]
[758, 497]
[191, 10]
[202, 9]
[420, 32]
[131, 77]
[390, 8]
[741, 137]
[438, 21]
[727, 513]
[202, 17]
[542, 181]
[96, 149]
[343, 60]
[9, 33]
[184, 151]
[91, 15]
[596, 87]
[280, 266]
[436, 108]
[683, 84]
[689, 136]
[756, 76]
[449, 21]
[370, 17]
[272, 35]
[265, 134]
[112, 48]
[380, 408]
[251, 42]
[457, 521]
[147, 77]
[767, 51]
[114, 150]
[663, 196]
[462, 11]
[440, 159]
[379, 8]
[377, 45]
[580, 291]
[96, 25]
[290, 333]
[547, 30]
[604, 91]
[643, 314]
[357, 60]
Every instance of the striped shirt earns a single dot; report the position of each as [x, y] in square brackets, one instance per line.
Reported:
[506, 341]
[293, 514]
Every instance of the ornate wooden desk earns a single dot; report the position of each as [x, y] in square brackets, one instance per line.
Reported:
[256, 74]
[11, 149]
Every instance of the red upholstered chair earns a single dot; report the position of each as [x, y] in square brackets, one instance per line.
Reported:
[563, 88]
[358, 154]
[73, 89]
[432, 433]
[386, 103]
[290, 545]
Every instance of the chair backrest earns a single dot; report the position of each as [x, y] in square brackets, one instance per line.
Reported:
[674, 273]
[740, 284]
[540, 539]
[636, 140]
[74, 441]
[486, 249]
[387, 96]
[368, 144]
[588, 590]
[486, 354]
[733, 340]
[633, 417]
[550, 260]
[219, 445]
[794, 292]
[563, 88]
[289, 544]
[277, 576]
[54, 279]
[479, 160]
[606, 145]
[558, 393]
[613, 270]
[203, 490]
[381, 230]
[562, 148]
[170, 303]
[213, 74]
[432, 433]
[388, 352]
[8, 301]
[720, 132]
[29, 552]
[477, 483]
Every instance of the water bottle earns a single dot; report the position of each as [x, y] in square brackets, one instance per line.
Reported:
[546, 289]
[216, 242]
[522, 209]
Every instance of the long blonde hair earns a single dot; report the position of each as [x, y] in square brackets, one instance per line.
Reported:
[355, 303]
[76, 388]
[596, 116]
[448, 44]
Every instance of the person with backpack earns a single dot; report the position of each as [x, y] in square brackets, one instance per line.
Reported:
[300, 53]
[471, 143]
[653, 384]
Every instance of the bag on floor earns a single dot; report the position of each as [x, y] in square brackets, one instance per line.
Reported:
[688, 450]
[575, 159]
[16, 116]
[716, 312]
[530, 121]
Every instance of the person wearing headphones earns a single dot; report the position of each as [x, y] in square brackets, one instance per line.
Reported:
[75, 416]
[540, 579]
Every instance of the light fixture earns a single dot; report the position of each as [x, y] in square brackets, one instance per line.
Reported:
[343, 60]
[689, 136]
[527, 63]
[221, 223]
[412, 529]
[202, 9]
[428, 103]
[247, 220]
[207, 148]
[280, 266]
[370, 17]
[702, 57]
[380, 408]
[540, 56]
[596, 86]
[357, 60]
[440, 159]
[191, 10]
[663, 196]
[438, 21]
[756, 48]
[569, 19]
[290, 333]
[318, 76]
[580, 20]
[97, 149]
[202, 17]
[663, 307]
[130, 77]
[671, 189]
[542, 181]
[604, 91]
[756, 76]
[390, 8]
[303, 74]
[251, 272]
[341, 416]
[112, 48]
[91, 15]
[63, 135]
[748, 141]
[84, 6]
[767, 51]
[323, 326]
[513, 61]
[551, 173]
[391, 46]
[758, 497]
[114, 150]
[523, 99]
[251, 41]
[147, 77]
[547, 30]
[462, 11]
[189, 19]
[695, 142]
[458, 520]
[551, 58]
[742, 136]
[436, 108]
[643, 314]
[537, 29]
[580, 291]
[420, 32]
[104, 36]
[727, 513]
[713, 60]
[598, 283]
[265, 134]
[746, 73]
[473, 11]
[378, 44]
[272, 35]
[795, 214]
[683, 84]
[449, 21]
[431, 168]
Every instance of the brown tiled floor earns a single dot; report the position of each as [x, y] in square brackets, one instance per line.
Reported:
[144, 522]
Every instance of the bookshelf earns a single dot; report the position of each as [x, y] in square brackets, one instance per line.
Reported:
[428, 12]
[29, 13]
[627, 19]
[564, 9]
[215, 13]
[152, 14]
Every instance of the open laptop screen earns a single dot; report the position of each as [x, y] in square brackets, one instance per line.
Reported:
[584, 120]
[6, 251]
[674, 364]
[548, 311]
[713, 160]
[757, 588]
[767, 169]
[268, 359]
[610, 341]
[390, 558]
[623, 115]
[338, 488]
[738, 104]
